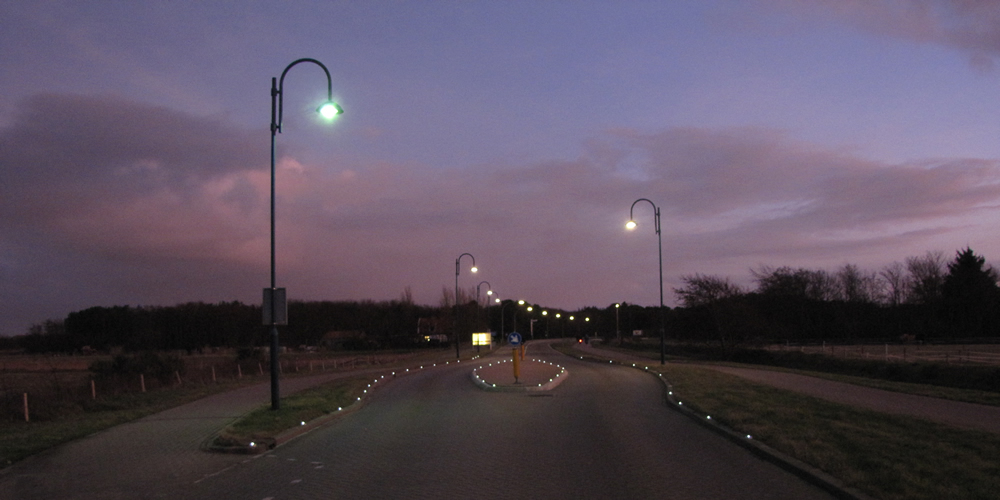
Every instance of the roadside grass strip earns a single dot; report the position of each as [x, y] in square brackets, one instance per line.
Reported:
[886, 456]
[258, 430]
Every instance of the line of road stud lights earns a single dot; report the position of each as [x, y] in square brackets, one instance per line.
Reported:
[376, 381]
[475, 371]
[670, 391]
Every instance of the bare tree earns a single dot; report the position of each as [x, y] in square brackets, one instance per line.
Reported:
[407, 296]
[447, 297]
[700, 289]
[857, 285]
[895, 283]
[801, 282]
[926, 277]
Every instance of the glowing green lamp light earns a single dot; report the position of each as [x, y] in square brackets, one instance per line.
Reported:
[330, 110]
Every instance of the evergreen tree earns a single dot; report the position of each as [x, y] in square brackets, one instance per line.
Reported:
[971, 296]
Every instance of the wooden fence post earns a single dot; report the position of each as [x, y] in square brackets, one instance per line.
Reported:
[93, 390]
[142, 382]
[26, 418]
[239, 372]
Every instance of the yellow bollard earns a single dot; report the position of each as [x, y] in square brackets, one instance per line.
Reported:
[524, 347]
[517, 365]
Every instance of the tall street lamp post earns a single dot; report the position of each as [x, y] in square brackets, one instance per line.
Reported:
[274, 305]
[659, 239]
[457, 270]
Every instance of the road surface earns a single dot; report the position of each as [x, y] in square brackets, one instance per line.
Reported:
[603, 433]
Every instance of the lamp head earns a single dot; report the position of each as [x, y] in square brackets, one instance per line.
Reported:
[489, 292]
[520, 302]
[630, 225]
[330, 110]
[474, 269]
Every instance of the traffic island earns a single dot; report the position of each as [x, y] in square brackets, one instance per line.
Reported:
[534, 375]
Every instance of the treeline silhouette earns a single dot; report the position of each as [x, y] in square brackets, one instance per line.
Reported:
[195, 326]
[923, 298]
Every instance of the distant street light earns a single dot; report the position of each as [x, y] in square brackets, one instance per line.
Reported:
[455, 319]
[618, 330]
[275, 306]
[502, 307]
[659, 239]
[489, 291]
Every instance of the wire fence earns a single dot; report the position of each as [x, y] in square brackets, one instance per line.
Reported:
[982, 354]
[40, 388]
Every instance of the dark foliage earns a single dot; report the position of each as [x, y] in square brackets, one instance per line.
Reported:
[153, 364]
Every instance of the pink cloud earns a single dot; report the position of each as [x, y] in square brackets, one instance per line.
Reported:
[118, 206]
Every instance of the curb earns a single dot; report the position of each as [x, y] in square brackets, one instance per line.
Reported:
[801, 469]
[547, 386]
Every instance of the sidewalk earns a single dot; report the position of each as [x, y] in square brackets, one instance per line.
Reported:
[955, 413]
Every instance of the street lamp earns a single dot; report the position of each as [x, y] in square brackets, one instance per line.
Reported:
[274, 305]
[659, 239]
[618, 330]
[489, 290]
[455, 321]
[502, 306]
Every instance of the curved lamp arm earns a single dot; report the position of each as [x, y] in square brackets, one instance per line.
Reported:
[277, 90]
[656, 214]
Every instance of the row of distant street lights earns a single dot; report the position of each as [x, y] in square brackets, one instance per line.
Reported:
[275, 306]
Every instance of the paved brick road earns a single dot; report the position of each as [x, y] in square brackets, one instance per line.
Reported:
[603, 433]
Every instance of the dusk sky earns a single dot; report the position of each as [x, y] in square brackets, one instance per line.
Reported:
[134, 146]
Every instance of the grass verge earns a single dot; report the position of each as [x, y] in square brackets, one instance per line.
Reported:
[265, 424]
[887, 456]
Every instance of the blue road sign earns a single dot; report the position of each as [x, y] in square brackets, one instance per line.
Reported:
[514, 338]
